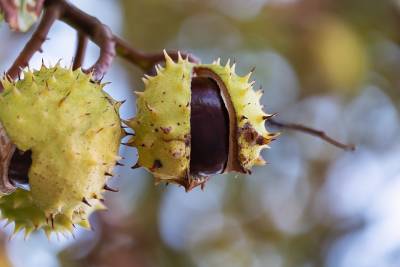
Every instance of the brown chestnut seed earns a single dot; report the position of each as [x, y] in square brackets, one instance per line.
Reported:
[19, 167]
[233, 163]
[209, 124]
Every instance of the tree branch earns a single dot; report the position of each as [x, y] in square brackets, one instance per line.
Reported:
[51, 14]
[98, 32]
[88, 27]
[83, 23]
[80, 51]
[146, 61]
[320, 134]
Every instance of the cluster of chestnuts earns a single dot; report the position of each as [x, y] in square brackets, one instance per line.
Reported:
[60, 134]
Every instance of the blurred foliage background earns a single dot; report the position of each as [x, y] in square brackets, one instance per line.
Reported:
[330, 64]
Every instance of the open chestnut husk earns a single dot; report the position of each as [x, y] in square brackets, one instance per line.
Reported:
[59, 140]
[195, 120]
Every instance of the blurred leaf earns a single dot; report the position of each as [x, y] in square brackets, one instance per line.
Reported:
[21, 14]
[340, 54]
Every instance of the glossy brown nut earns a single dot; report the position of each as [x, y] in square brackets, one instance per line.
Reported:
[19, 167]
[209, 124]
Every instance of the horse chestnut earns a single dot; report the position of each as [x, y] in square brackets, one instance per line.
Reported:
[194, 120]
[62, 133]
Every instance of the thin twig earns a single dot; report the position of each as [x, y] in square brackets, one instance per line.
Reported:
[301, 128]
[80, 51]
[79, 20]
[51, 14]
[146, 61]
[98, 32]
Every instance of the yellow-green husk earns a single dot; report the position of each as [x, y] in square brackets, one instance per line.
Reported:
[73, 129]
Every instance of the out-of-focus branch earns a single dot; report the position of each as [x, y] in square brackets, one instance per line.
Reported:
[98, 32]
[51, 14]
[146, 61]
[88, 27]
[80, 51]
[318, 133]
[85, 24]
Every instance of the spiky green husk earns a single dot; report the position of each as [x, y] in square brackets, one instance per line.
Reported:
[73, 129]
[19, 208]
[162, 124]
[250, 117]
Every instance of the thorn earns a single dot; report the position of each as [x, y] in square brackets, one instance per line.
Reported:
[119, 164]
[127, 133]
[253, 69]
[168, 59]
[158, 69]
[108, 174]
[106, 187]
[84, 200]
[269, 116]
[228, 63]
[261, 140]
[63, 99]
[151, 109]
[233, 68]
[136, 166]
[138, 93]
